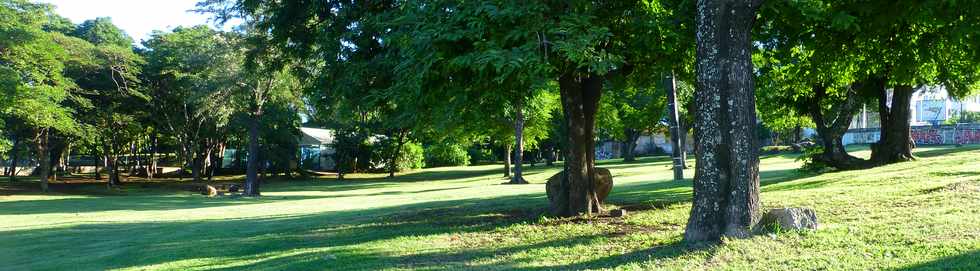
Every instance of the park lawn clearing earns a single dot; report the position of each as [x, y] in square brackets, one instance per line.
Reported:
[923, 214]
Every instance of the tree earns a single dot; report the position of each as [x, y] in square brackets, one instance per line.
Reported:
[446, 55]
[109, 80]
[726, 181]
[191, 74]
[34, 90]
[460, 47]
[263, 81]
[915, 44]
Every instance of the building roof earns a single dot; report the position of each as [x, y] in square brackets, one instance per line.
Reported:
[315, 136]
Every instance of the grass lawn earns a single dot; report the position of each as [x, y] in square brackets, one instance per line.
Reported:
[917, 215]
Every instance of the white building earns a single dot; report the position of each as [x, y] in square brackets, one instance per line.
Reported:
[933, 105]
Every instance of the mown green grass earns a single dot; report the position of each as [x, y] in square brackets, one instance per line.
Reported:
[917, 215]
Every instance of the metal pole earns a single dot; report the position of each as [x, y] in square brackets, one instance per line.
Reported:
[675, 133]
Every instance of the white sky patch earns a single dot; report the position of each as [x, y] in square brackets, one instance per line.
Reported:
[137, 17]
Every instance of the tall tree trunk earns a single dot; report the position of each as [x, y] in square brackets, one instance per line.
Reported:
[112, 168]
[629, 145]
[393, 160]
[252, 167]
[508, 152]
[42, 158]
[519, 143]
[153, 156]
[197, 166]
[14, 155]
[677, 151]
[797, 133]
[895, 144]
[726, 181]
[55, 151]
[580, 96]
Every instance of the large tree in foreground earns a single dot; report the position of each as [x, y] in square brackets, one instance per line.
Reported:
[726, 180]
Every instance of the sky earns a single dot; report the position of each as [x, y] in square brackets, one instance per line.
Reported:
[137, 17]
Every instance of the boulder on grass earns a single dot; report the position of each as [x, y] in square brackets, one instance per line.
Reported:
[603, 179]
[790, 219]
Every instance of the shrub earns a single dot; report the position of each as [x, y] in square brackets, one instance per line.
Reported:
[777, 149]
[811, 163]
[479, 154]
[412, 156]
[446, 155]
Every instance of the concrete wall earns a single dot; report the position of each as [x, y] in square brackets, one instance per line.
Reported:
[923, 135]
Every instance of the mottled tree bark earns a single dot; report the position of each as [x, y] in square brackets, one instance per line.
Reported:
[895, 144]
[580, 94]
[726, 182]
[518, 177]
[252, 167]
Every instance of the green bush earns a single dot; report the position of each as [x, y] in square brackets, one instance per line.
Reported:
[810, 161]
[446, 155]
[412, 156]
[777, 149]
[480, 155]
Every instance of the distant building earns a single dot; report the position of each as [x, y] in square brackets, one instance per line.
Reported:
[931, 108]
[315, 146]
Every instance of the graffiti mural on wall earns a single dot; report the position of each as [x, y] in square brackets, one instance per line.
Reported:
[971, 136]
[923, 135]
[926, 137]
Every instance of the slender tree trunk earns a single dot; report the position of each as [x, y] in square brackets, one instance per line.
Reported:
[252, 169]
[896, 143]
[42, 159]
[14, 156]
[550, 156]
[508, 152]
[797, 134]
[197, 165]
[580, 96]
[629, 145]
[153, 156]
[54, 162]
[726, 181]
[393, 160]
[112, 169]
[519, 143]
[677, 152]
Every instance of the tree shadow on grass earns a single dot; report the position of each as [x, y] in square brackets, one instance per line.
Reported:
[965, 261]
[289, 242]
[119, 245]
[131, 203]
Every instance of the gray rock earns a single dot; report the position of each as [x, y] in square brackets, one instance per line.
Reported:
[554, 187]
[790, 219]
